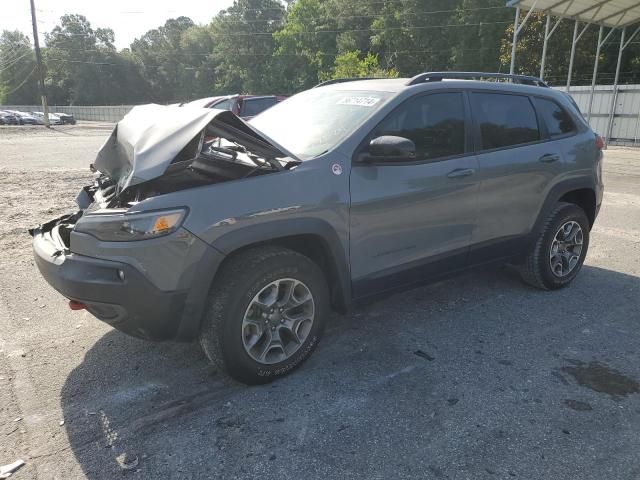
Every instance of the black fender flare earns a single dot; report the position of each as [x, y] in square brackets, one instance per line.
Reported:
[248, 235]
[281, 229]
[555, 194]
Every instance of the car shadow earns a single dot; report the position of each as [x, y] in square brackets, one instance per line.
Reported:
[465, 358]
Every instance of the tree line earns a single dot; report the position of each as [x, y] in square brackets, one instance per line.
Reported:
[266, 46]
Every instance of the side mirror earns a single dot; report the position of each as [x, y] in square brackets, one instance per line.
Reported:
[389, 148]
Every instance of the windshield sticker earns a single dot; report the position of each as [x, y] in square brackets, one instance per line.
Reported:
[359, 101]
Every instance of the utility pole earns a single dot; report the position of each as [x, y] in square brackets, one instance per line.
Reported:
[36, 42]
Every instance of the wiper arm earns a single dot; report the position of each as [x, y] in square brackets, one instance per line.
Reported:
[288, 164]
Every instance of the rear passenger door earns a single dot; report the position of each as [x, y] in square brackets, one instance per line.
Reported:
[516, 167]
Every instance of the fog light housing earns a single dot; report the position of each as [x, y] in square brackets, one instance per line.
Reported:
[121, 275]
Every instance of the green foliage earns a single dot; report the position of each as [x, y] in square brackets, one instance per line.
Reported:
[302, 51]
[244, 46]
[415, 36]
[176, 60]
[83, 67]
[274, 46]
[478, 43]
[18, 74]
[350, 65]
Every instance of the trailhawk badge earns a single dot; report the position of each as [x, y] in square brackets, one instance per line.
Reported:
[336, 169]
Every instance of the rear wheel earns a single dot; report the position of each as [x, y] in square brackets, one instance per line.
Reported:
[266, 314]
[559, 252]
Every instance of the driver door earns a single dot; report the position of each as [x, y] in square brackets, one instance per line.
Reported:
[413, 220]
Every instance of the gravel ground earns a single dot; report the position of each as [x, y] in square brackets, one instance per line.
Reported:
[478, 377]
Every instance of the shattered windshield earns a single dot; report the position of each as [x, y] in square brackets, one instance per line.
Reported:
[315, 121]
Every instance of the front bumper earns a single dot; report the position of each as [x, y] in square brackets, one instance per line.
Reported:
[120, 294]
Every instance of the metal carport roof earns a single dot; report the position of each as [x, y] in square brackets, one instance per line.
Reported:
[609, 13]
[616, 15]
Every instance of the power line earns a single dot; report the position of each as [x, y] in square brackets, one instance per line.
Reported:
[374, 15]
[275, 55]
[21, 83]
[284, 10]
[210, 54]
[315, 32]
[10, 56]
[10, 64]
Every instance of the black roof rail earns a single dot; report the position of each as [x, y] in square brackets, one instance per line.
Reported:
[344, 80]
[439, 76]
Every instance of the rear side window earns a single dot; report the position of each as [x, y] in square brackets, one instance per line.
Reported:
[222, 105]
[435, 123]
[252, 107]
[557, 120]
[505, 120]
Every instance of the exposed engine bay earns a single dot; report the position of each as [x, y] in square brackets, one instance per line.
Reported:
[211, 163]
[226, 149]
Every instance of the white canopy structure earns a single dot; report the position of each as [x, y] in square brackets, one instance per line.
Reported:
[622, 15]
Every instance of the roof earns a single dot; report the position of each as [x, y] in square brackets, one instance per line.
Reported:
[610, 13]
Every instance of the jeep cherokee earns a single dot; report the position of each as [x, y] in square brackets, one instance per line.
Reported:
[247, 240]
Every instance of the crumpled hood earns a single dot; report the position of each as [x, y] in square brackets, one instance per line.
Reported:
[148, 138]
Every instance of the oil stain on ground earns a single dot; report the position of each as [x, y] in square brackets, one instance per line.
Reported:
[577, 405]
[602, 379]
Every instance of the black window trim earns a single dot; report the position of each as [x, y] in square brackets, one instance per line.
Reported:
[541, 120]
[476, 125]
[468, 136]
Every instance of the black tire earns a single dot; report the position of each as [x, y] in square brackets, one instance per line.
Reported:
[240, 279]
[536, 269]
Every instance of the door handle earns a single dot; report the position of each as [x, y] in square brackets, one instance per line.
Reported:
[549, 158]
[461, 172]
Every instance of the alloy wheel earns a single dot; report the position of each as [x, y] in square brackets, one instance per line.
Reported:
[278, 321]
[566, 249]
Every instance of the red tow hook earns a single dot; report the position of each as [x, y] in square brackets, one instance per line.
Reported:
[75, 305]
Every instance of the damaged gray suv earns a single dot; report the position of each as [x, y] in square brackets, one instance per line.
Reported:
[245, 235]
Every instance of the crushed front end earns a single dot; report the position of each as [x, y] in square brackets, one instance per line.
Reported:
[140, 270]
[143, 289]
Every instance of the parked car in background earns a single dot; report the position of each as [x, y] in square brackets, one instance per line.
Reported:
[26, 118]
[8, 118]
[244, 106]
[53, 118]
[66, 118]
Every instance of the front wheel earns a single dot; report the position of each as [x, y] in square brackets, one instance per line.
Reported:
[266, 314]
[559, 252]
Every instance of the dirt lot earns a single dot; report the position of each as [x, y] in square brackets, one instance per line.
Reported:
[476, 377]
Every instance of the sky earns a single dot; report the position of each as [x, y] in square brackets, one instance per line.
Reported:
[129, 19]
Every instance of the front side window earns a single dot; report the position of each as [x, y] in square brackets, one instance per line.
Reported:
[505, 120]
[557, 120]
[435, 124]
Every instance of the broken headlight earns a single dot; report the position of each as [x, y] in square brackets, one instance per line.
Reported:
[126, 227]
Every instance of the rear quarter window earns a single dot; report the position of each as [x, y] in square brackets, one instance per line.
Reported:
[557, 119]
[504, 120]
[252, 107]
